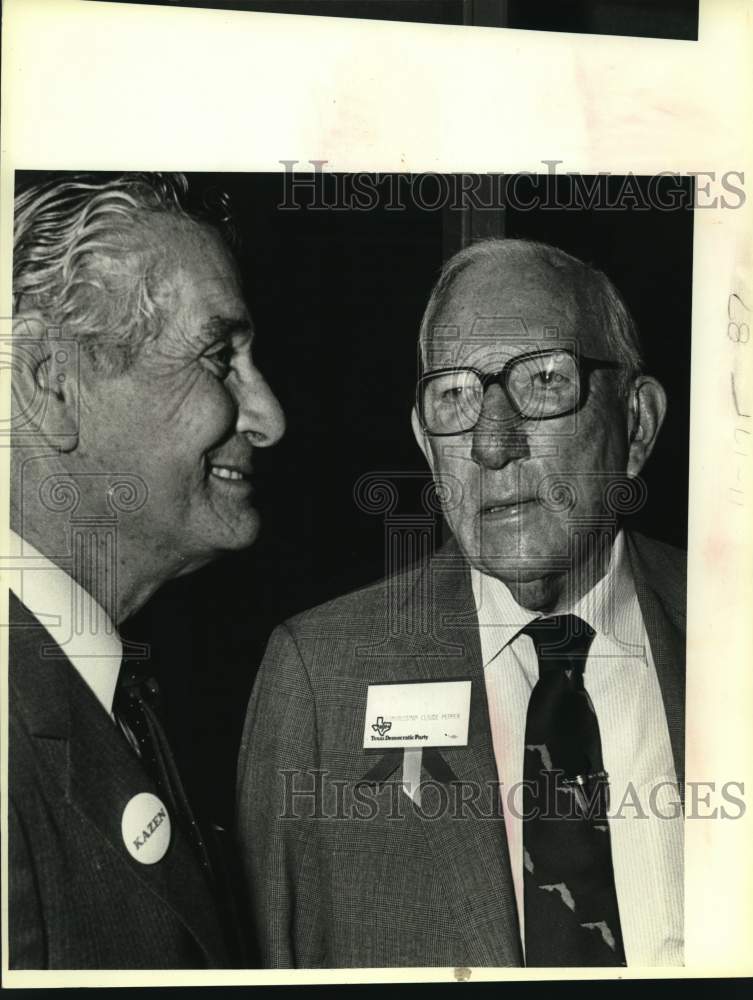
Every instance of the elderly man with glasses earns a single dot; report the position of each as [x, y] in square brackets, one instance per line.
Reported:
[479, 761]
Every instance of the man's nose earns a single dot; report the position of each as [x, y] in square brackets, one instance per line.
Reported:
[498, 437]
[259, 413]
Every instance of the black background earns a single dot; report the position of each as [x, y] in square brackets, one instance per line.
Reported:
[337, 297]
[643, 18]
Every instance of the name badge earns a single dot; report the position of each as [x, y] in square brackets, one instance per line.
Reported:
[417, 714]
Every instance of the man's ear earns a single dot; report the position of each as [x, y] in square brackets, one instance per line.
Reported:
[421, 439]
[648, 406]
[44, 383]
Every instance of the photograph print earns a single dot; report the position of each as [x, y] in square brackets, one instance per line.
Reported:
[349, 515]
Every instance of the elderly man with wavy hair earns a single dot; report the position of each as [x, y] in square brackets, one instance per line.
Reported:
[137, 408]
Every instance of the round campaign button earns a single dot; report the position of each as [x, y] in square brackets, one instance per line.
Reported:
[146, 828]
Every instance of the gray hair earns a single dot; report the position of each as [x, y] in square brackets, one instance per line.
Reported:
[87, 258]
[597, 298]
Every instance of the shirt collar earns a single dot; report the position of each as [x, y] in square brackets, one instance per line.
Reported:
[57, 601]
[610, 607]
[500, 617]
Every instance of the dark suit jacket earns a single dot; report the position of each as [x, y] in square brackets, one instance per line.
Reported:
[77, 899]
[387, 884]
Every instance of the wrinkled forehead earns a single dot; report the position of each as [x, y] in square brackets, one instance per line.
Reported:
[186, 244]
[493, 311]
[193, 263]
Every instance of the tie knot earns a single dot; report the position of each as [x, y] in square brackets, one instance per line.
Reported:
[562, 642]
[135, 681]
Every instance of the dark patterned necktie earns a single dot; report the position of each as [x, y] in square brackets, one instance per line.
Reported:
[135, 707]
[571, 912]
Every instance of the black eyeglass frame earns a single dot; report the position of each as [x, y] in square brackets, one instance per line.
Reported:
[586, 365]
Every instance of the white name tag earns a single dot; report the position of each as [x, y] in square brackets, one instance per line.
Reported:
[419, 714]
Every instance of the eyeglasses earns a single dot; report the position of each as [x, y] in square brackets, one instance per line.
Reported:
[539, 385]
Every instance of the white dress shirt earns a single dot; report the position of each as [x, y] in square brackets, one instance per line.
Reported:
[620, 677]
[77, 623]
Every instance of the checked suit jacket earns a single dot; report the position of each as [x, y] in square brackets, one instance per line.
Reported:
[77, 899]
[339, 880]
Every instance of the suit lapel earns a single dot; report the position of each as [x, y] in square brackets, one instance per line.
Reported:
[472, 856]
[664, 618]
[100, 774]
[471, 852]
